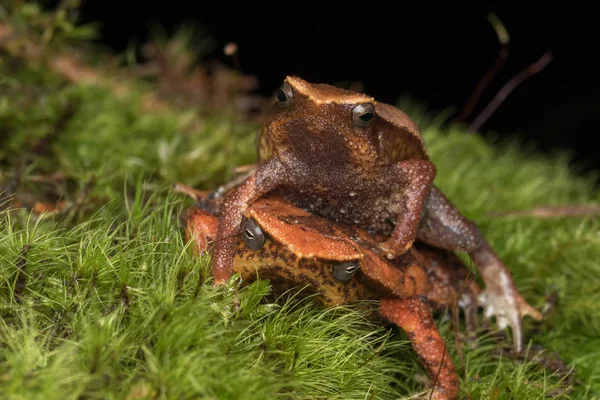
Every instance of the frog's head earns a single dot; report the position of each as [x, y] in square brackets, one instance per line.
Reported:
[320, 123]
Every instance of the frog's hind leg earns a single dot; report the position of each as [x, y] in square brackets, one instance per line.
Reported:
[442, 226]
[451, 286]
[413, 315]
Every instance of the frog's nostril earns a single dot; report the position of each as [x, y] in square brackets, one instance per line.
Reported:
[345, 271]
[253, 236]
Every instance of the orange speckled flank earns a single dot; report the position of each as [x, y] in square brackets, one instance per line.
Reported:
[413, 315]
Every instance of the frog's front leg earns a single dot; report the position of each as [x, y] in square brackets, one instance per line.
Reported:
[444, 227]
[235, 203]
[413, 315]
[416, 176]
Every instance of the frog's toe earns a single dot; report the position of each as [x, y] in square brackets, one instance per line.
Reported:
[526, 309]
[509, 309]
[391, 249]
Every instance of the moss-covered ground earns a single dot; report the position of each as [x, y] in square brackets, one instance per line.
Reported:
[104, 298]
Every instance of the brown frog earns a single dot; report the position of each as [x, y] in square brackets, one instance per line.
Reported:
[341, 264]
[349, 158]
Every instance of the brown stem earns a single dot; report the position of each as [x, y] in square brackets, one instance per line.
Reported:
[564, 210]
[189, 191]
[507, 88]
[504, 39]
[483, 83]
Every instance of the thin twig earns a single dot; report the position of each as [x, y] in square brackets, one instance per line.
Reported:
[189, 191]
[509, 87]
[244, 173]
[504, 40]
[563, 210]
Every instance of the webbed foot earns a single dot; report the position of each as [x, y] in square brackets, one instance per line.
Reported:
[500, 298]
[444, 227]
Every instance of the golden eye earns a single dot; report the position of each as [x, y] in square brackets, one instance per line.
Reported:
[285, 95]
[363, 114]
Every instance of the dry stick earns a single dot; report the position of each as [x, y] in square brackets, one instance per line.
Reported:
[509, 87]
[483, 83]
[189, 191]
[563, 210]
[244, 173]
[504, 39]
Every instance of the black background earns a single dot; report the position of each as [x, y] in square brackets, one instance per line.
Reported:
[436, 54]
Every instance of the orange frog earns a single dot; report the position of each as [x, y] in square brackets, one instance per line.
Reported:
[340, 263]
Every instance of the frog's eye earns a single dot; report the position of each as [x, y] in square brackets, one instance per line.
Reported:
[285, 95]
[363, 114]
[345, 271]
[253, 236]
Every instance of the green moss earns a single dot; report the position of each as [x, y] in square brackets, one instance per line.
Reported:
[112, 304]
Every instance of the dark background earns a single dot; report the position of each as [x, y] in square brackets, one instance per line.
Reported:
[436, 54]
